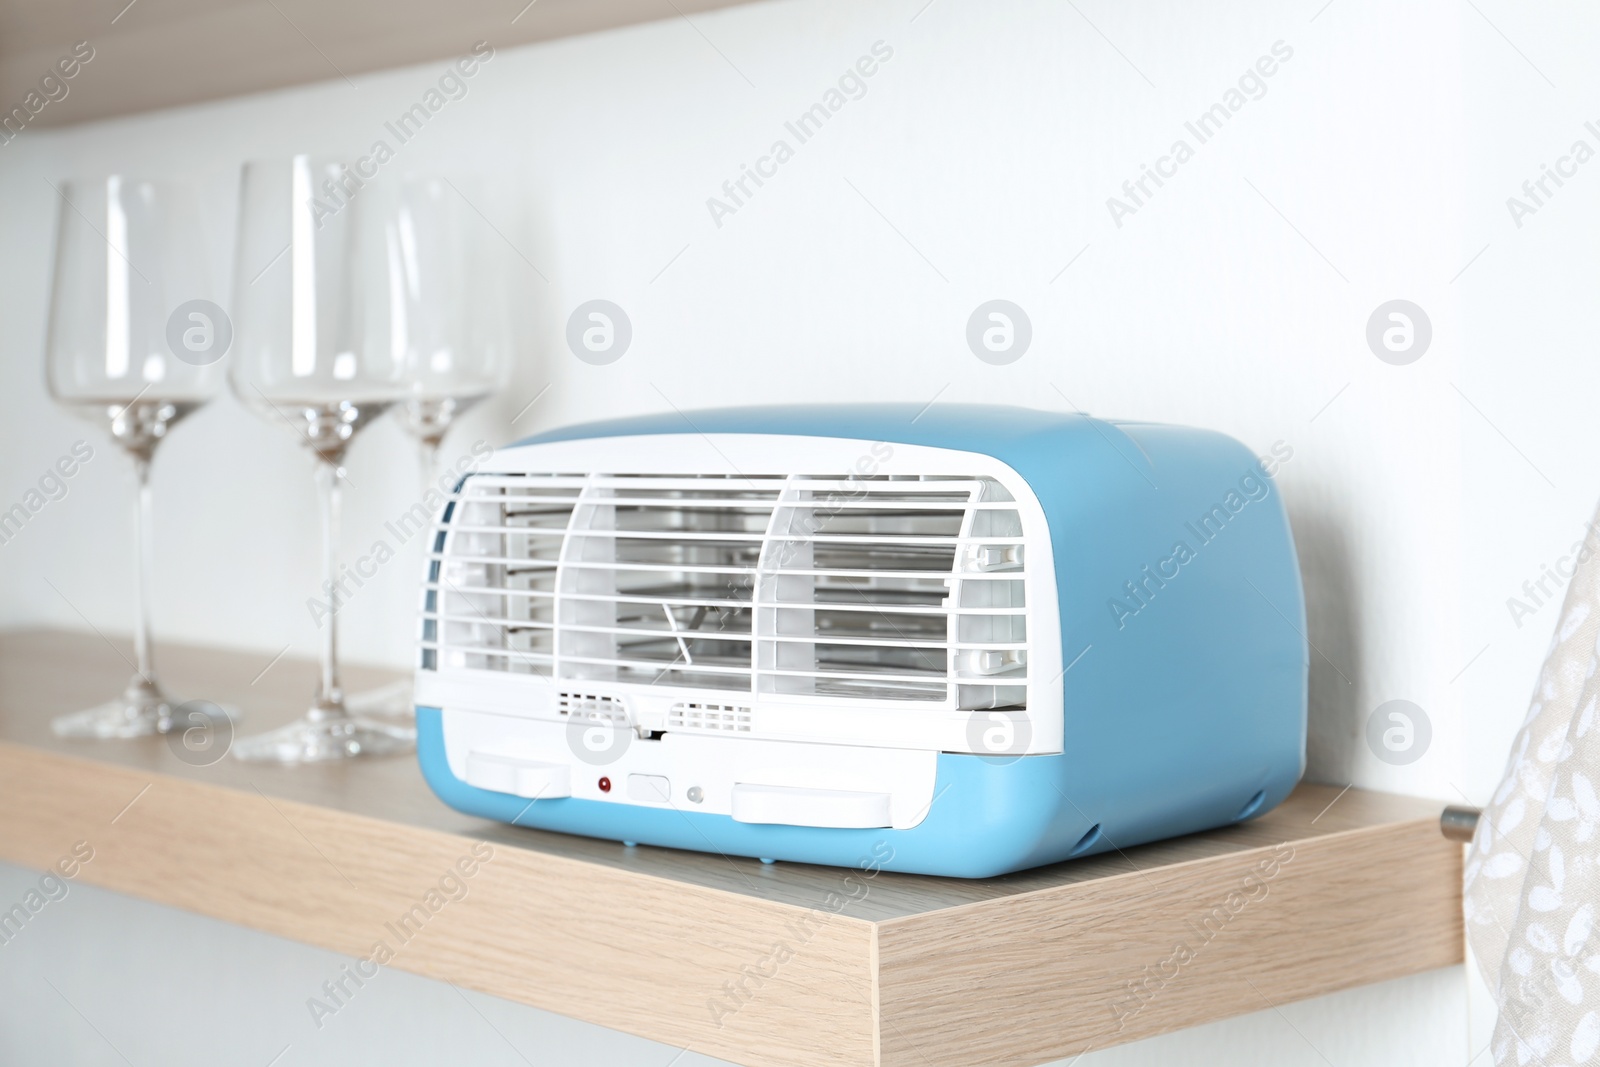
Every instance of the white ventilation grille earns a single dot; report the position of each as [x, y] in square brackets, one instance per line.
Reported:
[657, 576]
[732, 718]
[889, 591]
[591, 708]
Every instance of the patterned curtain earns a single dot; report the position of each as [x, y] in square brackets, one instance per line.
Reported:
[1533, 872]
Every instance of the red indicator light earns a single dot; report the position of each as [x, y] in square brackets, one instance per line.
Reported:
[605, 785]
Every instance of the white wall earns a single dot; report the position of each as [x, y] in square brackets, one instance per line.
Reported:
[976, 166]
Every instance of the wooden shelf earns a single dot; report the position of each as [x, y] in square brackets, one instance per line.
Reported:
[166, 53]
[890, 970]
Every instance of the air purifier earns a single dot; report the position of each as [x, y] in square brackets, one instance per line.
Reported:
[960, 640]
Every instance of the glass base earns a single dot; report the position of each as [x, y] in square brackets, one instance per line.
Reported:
[326, 734]
[141, 711]
[396, 700]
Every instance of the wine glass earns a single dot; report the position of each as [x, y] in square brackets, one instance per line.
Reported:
[319, 305]
[457, 342]
[134, 344]
[452, 303]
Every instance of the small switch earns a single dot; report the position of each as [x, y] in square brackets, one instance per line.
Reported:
[649, 788]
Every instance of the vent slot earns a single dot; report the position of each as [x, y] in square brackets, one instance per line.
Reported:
[593, 708]
[729, 718]
[876, 591]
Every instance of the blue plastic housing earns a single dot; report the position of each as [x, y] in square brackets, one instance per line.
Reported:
[1182, 619]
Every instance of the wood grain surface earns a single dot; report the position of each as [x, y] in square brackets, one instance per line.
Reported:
[752, 963]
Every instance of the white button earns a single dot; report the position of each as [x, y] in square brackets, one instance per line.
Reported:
[649, 788]
[792, 806]
[534, 779]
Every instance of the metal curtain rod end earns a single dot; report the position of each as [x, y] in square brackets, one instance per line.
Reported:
[1459, 823]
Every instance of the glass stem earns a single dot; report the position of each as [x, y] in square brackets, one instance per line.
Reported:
[330, 698]
[428, 457]
[145, 664]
